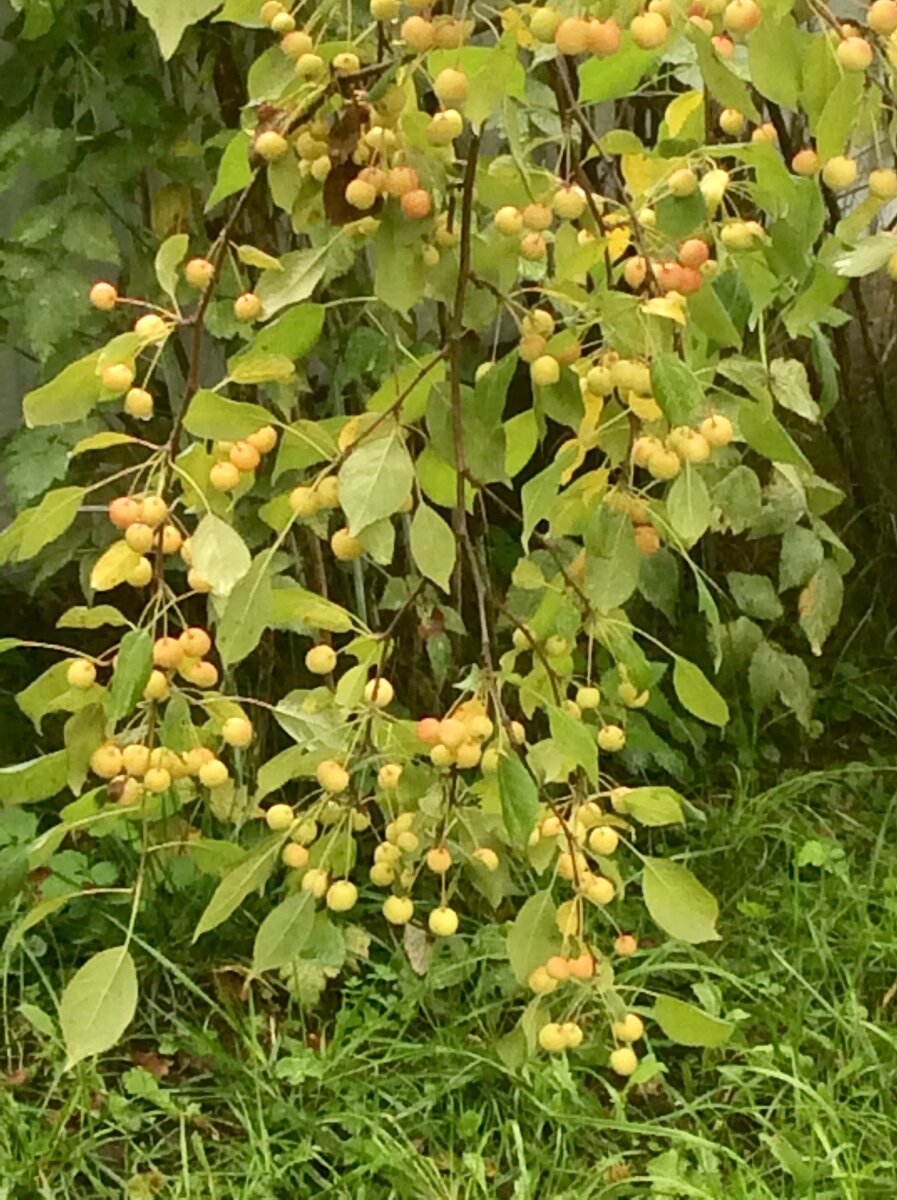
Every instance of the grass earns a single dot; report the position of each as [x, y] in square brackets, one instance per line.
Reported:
[399, 1093]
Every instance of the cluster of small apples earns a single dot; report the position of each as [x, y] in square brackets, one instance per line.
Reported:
[240, 458]
[649, 29]
[308, 500]
[118, 377]
[134, 768]
[637, 509]
[684, 274]
[147, 527]
[529, 224]
[664, 458]
[456, 740]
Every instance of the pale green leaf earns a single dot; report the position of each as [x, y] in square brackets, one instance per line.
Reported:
[219, 554]
[519, 798]
[283, 933]
[102, 441]
[688, 505]
[375, 480]
[300, 273]
[169, 18]
[299, 605]
[697, 693]
[132, 672]
[217, 418]
[38, 779]
[534, 937]
[654, 806]
[98, 1004]
[690, 1026]
[234, 169]
[67, 398]
[433, 545]
[169, 257]
[819, 604]
[239, 882]
[678, 902]
[49, 520]
[247, 614]
[576, 739]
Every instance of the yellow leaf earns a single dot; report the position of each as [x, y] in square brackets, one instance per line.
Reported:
[594, 406]
[642, 173]
[617, 242]
[572, 444]
[679, 110]
[645, 408]
[671, 306]
[113, 566]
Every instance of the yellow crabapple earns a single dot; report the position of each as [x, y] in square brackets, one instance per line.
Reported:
[203, 674]
[199, 273]
[541, 982]
[346, 546]
[854, 54]
[569, 202]
[664, 464]
[490, 760]
[611, 738]
[883, 183]
[247, 307]
[486, 857]
[741, 16]
[599, 889]
[117, 377]
[481, 727]
[171, 540]
[509, 221]
[443, 922]
[194, 758]
[195, 642]
[139, 404]
[80, 674]
[648, 30]
[398, 910]
[381, 874]
[839, 172]
[167, 653]
[106, 761]
[332, 777]
[389, 776]
[544, 23]
[624, 1060]
[557, 967]
[604, 839]
[294, 856]
[316, 880]
[157, 687]
[630, 1029]
[442, 756]
[533, 246]
[140, 537]
[140, 574]
[279, 817]
[157, 780]
[588, 697]
[320, 659]
[296, 43]
[439, 859]
[552, 1037]
[683, 182]
[213, 773]
[151, 327]
[379, 692]
[304, 501]
[237, 732]
[572, 36]
[124, 511]
[452, 732]
[103, 296]
[545, 371]
[582, 967]
[197, 582]
[451, 86]
[224, 476]
[342, 895]
[135, 758]
[625, 944]
[244, 456]
[732, 121]
[517, 733]
[417, 204]
[407, 841]
[153, 511]
[385, 10]
[572, 1032]
[468, 755]
[269, 10]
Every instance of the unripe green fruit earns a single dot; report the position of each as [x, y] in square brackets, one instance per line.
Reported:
[320, 660]
[487, 858]
[279, 817]
[683, 182]
[385, 10]
[611, 738]
[443, 922]
[346, 63]
[315, 880]
[490, 760]
[588, 697]
[271, 145]
[283, 23]
[342, 895]
[544, 23]
[310, 66]
[398, 910]
[545, 371]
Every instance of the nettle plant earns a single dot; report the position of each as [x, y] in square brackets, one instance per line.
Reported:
[592, 333]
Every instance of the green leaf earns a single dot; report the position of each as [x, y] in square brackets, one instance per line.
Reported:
[800, 557]
[755, 595]
[246, 877]
[82, 617]
[774, 55]
[819, 605]
[433, 545]
[722, 83]
[688, 505]
[303, 444]
[375, 480]
[247, 614]
[575, 738]
[299, 605]
[519, 798]
[169, 257]
[539, 494]
[13, 872]
[301, 272]
[690, 1026]
[84, 732]
[37, 779]
[217, 418]
[534, 936]
[35, 916]
[262, 368]
[678, 902]
[870, 255]
[49, 520]
[283, 933]
[697, 693]
[654, 806]
[414, 405]
[739, 498]
[98, 1004]
[132, 672]
[169, 20]
[219, 554]
[612, 78]
[253, 257]
[763, 433]
[613, 562]
[791, 388]
[676, 389]
[839, 115]
[234, 169]
[67, 398]
[290, 336]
